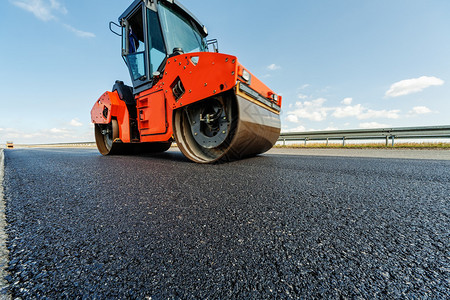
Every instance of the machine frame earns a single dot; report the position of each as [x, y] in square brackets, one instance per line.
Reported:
[147, 112]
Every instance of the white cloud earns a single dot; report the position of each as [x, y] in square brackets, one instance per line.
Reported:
[414, 85]
[329, 128]
[273, 67]
[47, 10]
[348, 111]
[420, 110]
[311, 110]
[53, 135]
[370, 125]
[43, 10]
[14, 134]
[316, 111]
[75, 123]
[347, 101]
[58, 7]
[79, 33]
[292, 119]
[296, 129]
[301, 96]
[388, 114]
[58, 130]
[362, 113]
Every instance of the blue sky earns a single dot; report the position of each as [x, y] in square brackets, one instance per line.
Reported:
[338, 64]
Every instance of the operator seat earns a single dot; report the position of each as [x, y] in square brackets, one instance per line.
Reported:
[126, 95]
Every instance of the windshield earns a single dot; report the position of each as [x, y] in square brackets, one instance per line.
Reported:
[180, 32]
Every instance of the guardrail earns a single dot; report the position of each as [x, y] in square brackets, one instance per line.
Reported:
[343, 135]
[368, 134]
[73, 144]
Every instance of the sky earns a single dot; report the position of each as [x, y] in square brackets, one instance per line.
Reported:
[344, 64]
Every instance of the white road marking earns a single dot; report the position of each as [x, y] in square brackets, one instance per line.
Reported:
[4, 254]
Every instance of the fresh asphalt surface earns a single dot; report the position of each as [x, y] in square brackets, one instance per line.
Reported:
[274, 226]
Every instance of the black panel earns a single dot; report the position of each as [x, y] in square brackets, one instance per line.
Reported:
[126, 95]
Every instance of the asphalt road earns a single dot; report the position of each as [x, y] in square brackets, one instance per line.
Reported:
[274, 226]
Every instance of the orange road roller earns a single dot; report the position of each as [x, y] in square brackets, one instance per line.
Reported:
[183, 91]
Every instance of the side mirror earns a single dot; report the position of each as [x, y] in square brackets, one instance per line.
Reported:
[116, 25]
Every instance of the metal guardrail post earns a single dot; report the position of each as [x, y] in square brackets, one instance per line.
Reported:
[327, 142]
[343, 141]
[393, 140]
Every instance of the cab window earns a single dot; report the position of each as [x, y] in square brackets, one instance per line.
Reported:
[180, 32]
[136, 47]
[157, 48]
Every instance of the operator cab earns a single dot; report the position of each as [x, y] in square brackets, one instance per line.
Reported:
[152, 31]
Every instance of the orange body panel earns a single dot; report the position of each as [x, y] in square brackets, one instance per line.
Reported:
[110, 106]
[152, 114]
[202, 75]
[258, 85]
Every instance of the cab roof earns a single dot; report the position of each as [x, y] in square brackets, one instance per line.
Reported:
[176, 3]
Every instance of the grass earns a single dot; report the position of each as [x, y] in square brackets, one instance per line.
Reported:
[369, 146]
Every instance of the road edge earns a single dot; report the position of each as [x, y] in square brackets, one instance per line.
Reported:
[4, 253]
[420, 154]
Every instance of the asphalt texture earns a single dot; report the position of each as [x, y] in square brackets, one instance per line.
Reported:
[275, 226]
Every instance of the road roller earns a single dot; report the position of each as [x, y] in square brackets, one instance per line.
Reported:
[184, 91]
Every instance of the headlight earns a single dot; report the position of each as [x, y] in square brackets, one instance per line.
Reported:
[246, 75]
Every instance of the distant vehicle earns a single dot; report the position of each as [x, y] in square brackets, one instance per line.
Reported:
[9, 145]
